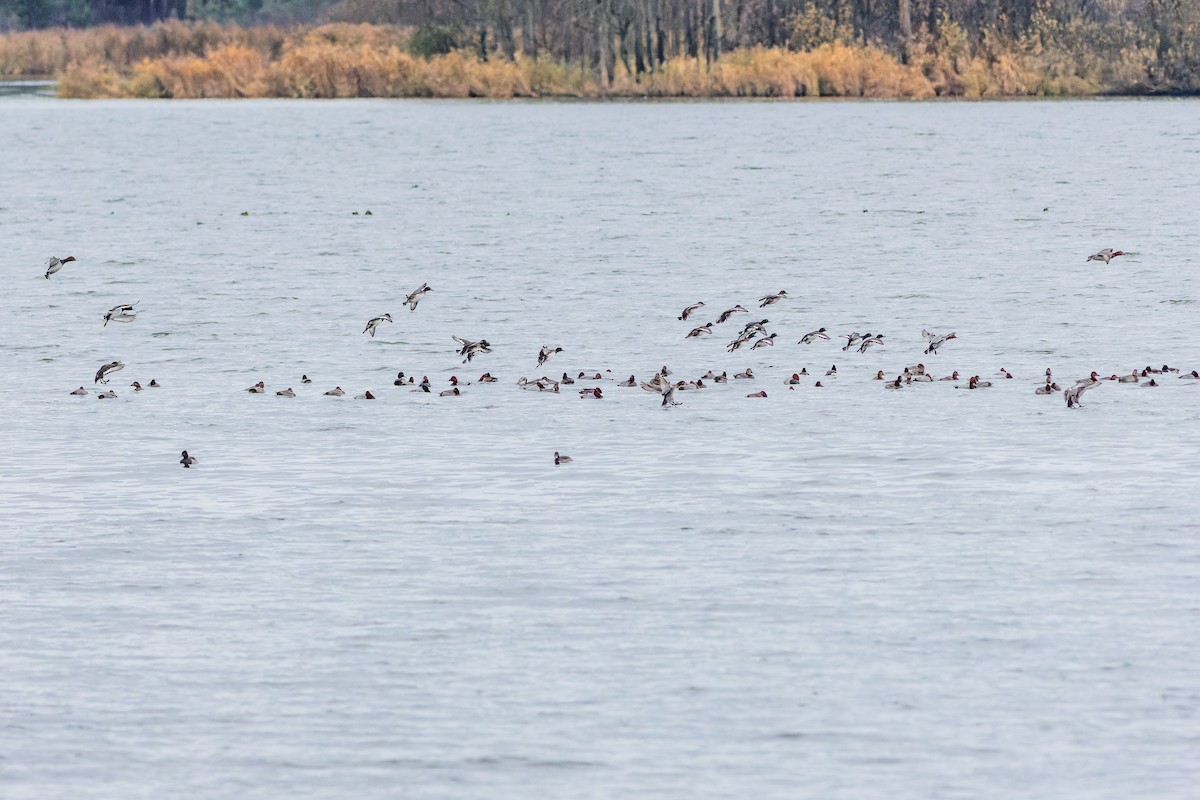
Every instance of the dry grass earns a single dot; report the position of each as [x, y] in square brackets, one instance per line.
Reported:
[207, 59]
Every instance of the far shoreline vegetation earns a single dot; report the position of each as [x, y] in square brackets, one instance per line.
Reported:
[890, 49]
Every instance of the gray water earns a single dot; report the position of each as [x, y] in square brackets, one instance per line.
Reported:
[836, 592]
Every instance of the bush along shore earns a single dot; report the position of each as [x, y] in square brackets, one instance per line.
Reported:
[175, 59]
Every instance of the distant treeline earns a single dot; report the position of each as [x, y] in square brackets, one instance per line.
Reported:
[597, 47]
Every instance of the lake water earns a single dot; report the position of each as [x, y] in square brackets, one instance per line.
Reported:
[836, 592]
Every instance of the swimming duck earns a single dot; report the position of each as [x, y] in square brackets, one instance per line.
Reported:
[153, 384]
[896, 384]
[306, 379]
[423, 386]
[1167, 369]
[978, 384]
[399, 380]
[373, 323]
[1047, 389]
[696, 333]
[792, 381]
[450, 393]
[879, 375]
[951, 377]
[1189, 376]
[186, 460]
[630, 382]
[812, 336]
[545, 353]
[687, 312]
[53, 264]
[1003, 373]
[121, 313]
[561, 459]
[454, 381]
[1092, 380]
[285, 393]
[664, 372]
[106, 370]
[336, 391]
[567, 380]
[722, 378]
[747, 375]
[258, 388]
[80, 392]
[760, 393]
[726, 314]
[831, 371]
[1130, 378]
[819, 385]
[487, 378]
[416, 296]
[771, 299]
[471, 349]
[365, 396]
[1149, 383]
[1106, 255]
[591, 393]
[137, 387]
[768, 341]
[109, 395]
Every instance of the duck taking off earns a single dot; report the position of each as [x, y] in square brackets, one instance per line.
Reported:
[54, 264]
[471, 349]
[416, 296]
[1106, 255]
[121, 313]
[546, 353]
[106, 370]
[936, 340]
[374, 323]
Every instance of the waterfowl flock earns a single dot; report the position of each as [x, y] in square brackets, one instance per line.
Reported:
[754, 335]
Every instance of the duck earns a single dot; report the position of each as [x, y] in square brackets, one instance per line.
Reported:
[471, 349]
[306, 379]
[153, 384]
[450, 393]
[831, 371]
[591, 393]
[1149, 383]
[708, 376]
[365, 396]
[109, 395]
[285, 393]
[258, 388]
[415, 297]
[1073, 395]
[656, 384]
[1167, 369]
[399, 380]
[870, 341]
[137, 387]
[980, 384]
[630, 381]
[852, 339]
[951, 377]
[567, 380]
[759, 326]
[423, 386]
[725, 315]
[878, 375]
[80, 392]
[793, 381]
[1003, 373]
[454, 381]
[759, 393]
[373, 323]
[812, 336]
[561, 459]
[106, 370]
[186, 460]
[1091, 380]
[737, 343]
[804, 371]
[1047, 389]
[936, 341]
[486, 378]
[768, 341]
[722, 378]
[819, 385]
[54, 264]
[1106, 255]
[687, 312]
[121, 313]
[771, 299]
[336, 391]
[664, 372]
[668, 395]
[895, 384]
[696, 333]
[1189, 376]
[747, 375]
[545, 353]
[1130, 378]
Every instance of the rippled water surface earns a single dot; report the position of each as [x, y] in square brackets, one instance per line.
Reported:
[836, 592]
